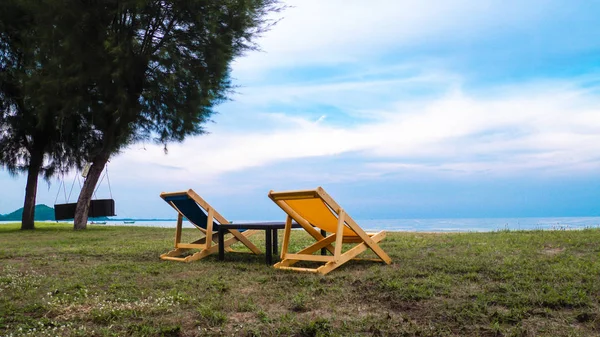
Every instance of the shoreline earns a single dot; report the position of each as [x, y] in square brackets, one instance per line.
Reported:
[454, 230]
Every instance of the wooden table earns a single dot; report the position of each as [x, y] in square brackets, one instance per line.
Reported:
[270, 229]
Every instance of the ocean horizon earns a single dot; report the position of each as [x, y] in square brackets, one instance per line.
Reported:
[422, 225]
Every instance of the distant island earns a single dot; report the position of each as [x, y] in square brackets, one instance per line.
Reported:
[46, 213]
[42, 213]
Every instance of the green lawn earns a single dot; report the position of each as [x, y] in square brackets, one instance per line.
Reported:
[109, 281]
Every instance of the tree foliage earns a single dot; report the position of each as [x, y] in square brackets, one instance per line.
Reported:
[41, 131]
[83, 79]
[161, 68]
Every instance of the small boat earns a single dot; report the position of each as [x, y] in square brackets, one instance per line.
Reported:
[98, 223]
[128, 222]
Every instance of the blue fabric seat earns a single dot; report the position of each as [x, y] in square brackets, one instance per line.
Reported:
[190, 210]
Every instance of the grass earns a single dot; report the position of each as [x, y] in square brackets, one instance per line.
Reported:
[108, 281]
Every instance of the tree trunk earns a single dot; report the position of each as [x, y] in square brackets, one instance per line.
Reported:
[35, 164]
[85, 196]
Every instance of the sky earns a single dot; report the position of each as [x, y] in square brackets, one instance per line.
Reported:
[398, 109]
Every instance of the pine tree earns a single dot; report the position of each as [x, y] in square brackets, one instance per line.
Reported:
[82, 79]
[158, 68]
[40, 120]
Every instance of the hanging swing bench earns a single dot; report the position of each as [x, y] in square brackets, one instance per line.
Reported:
[98, 207]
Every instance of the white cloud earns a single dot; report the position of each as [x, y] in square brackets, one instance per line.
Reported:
[395, 115]
[554, 127]
[330, 32]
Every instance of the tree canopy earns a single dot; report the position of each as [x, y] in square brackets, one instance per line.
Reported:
[92, 77]
[158, 68]
[40, 131]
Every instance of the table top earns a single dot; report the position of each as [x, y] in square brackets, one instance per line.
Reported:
[258, 225]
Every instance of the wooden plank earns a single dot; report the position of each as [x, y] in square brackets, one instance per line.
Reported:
[201, 254]
[309, 257]
[191, 245]
[243, 238]
[172, 258]
[198, 199]
[339, 234]
[351, 253]
[178, 229]
[209, 227]
[310, 270]
[318, 245]
[353, 239]
[198, 244]
[171, 194]
[231, 241]
[286, 236]
[292, 195]
[328, 200]
[174, 252]
[367, 259]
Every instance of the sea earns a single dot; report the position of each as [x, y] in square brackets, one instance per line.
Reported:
[429, 225]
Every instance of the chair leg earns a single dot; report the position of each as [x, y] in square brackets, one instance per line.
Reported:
[243, 238]
[286, 237]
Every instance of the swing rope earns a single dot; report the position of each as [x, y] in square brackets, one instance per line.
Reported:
[66, 211]
[64, 188]
[108, 180]
[101, 180]
[98, 185]
[58, 192]
[77, 178]
[71, 191]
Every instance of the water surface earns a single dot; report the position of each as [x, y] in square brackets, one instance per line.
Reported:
[431, 225]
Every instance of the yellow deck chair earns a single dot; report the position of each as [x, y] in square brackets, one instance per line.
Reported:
[316, 208]
[204, 217]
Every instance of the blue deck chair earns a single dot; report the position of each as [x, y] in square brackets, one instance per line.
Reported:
[204, 217]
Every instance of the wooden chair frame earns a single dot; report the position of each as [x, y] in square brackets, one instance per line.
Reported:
[204, 244]
[363, 240]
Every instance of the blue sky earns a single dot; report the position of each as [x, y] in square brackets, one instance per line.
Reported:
[399, 109]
